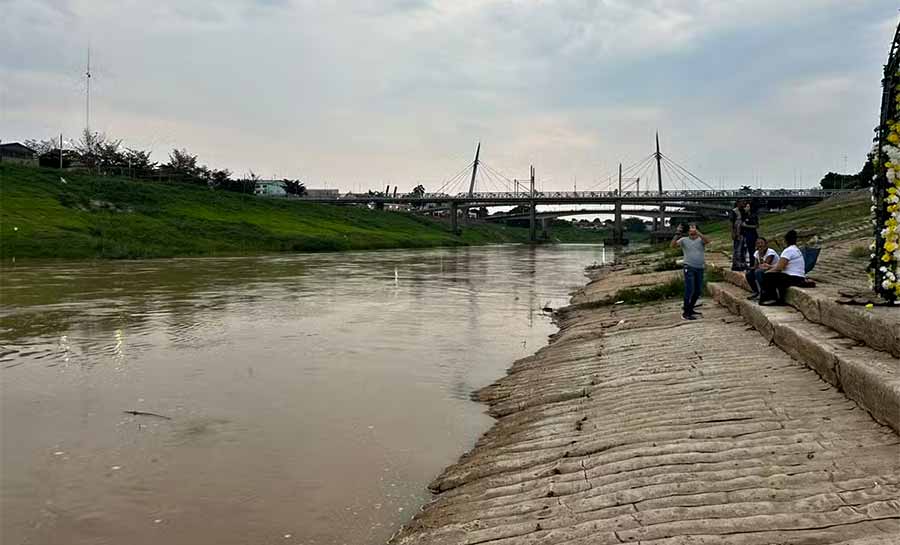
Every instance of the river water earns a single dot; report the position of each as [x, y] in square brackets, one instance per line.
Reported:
[308, 398]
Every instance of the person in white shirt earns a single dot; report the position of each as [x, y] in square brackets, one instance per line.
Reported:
[763, 259]
[789, 271]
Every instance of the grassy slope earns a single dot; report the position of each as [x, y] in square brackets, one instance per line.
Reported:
[825, 218]
[848, 212]
[119, 218]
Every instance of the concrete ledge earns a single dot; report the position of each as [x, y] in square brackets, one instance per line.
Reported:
[874, 328]
[867, 376]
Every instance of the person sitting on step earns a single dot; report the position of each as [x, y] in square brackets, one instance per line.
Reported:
[789, 271]
[764, 258]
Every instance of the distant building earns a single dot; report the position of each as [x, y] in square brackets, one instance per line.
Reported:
[322, 193]
[15, 152]
[273, 188]
[269, 188]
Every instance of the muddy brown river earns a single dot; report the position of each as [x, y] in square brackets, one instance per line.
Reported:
[303, 399]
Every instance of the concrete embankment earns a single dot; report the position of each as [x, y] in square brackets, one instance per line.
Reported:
[633, 426]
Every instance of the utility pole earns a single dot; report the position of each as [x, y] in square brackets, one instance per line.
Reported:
[60, 151]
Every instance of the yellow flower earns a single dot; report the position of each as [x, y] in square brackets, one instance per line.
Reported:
[870, 306]
[890, 246]
[893, 138]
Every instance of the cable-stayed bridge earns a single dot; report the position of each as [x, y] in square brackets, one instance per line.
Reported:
[641, 184]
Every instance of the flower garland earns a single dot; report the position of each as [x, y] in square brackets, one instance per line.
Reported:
[888, 261]
[884, 269]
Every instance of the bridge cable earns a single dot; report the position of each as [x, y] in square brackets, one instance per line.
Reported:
[626, 170]
[454, 177]
[688, 172]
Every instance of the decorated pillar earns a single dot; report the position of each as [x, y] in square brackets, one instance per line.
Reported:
[883, 269]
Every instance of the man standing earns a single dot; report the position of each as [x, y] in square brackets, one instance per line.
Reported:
[749, 225]
[693, 247]
[735, 215]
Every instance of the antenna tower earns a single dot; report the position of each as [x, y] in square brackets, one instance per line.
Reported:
[87, 102]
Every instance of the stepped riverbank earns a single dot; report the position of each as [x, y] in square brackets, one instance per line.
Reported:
[633, 426]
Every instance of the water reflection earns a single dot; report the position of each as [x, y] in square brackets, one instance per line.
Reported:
[310, 395]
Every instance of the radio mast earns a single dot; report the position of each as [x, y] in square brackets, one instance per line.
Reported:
[87, 101]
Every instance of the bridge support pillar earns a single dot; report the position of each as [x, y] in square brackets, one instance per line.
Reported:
[454, 218]
[379, 205]
[618, 231]
[532, 223]
[544, 231]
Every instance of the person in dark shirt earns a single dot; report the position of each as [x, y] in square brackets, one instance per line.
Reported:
[749, 226]
[737, 250]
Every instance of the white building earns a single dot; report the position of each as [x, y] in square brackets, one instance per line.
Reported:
[269, 188]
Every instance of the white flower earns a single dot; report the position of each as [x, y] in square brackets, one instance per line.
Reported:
[886, 284]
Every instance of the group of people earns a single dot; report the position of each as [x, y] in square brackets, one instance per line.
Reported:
[768, 273]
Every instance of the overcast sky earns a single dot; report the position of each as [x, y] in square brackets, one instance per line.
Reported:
[361, 94]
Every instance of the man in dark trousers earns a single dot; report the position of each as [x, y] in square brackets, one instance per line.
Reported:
[693, 247]
[737, 252]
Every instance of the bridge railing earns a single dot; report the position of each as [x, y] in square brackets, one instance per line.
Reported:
[734, 194]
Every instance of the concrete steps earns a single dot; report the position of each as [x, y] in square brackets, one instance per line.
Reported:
[879, 328]
[866, 375]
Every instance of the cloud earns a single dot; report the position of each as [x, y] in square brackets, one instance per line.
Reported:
[402, 90]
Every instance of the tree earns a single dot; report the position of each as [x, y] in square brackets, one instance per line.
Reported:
[635, 225]
[42, 147]
[182, 164]
[138, 162]
[93, 149]
[418, 191]
[861, 179]
[293, 187]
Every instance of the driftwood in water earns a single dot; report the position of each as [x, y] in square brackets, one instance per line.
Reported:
[143, 413]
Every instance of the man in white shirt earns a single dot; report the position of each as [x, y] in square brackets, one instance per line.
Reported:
[763, 259]
[789, 271]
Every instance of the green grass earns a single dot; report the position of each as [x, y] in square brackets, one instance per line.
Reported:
[107, 217]
[843, 212]
[670, 289]
[860, 252]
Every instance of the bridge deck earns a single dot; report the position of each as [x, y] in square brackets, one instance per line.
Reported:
[591, 197]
